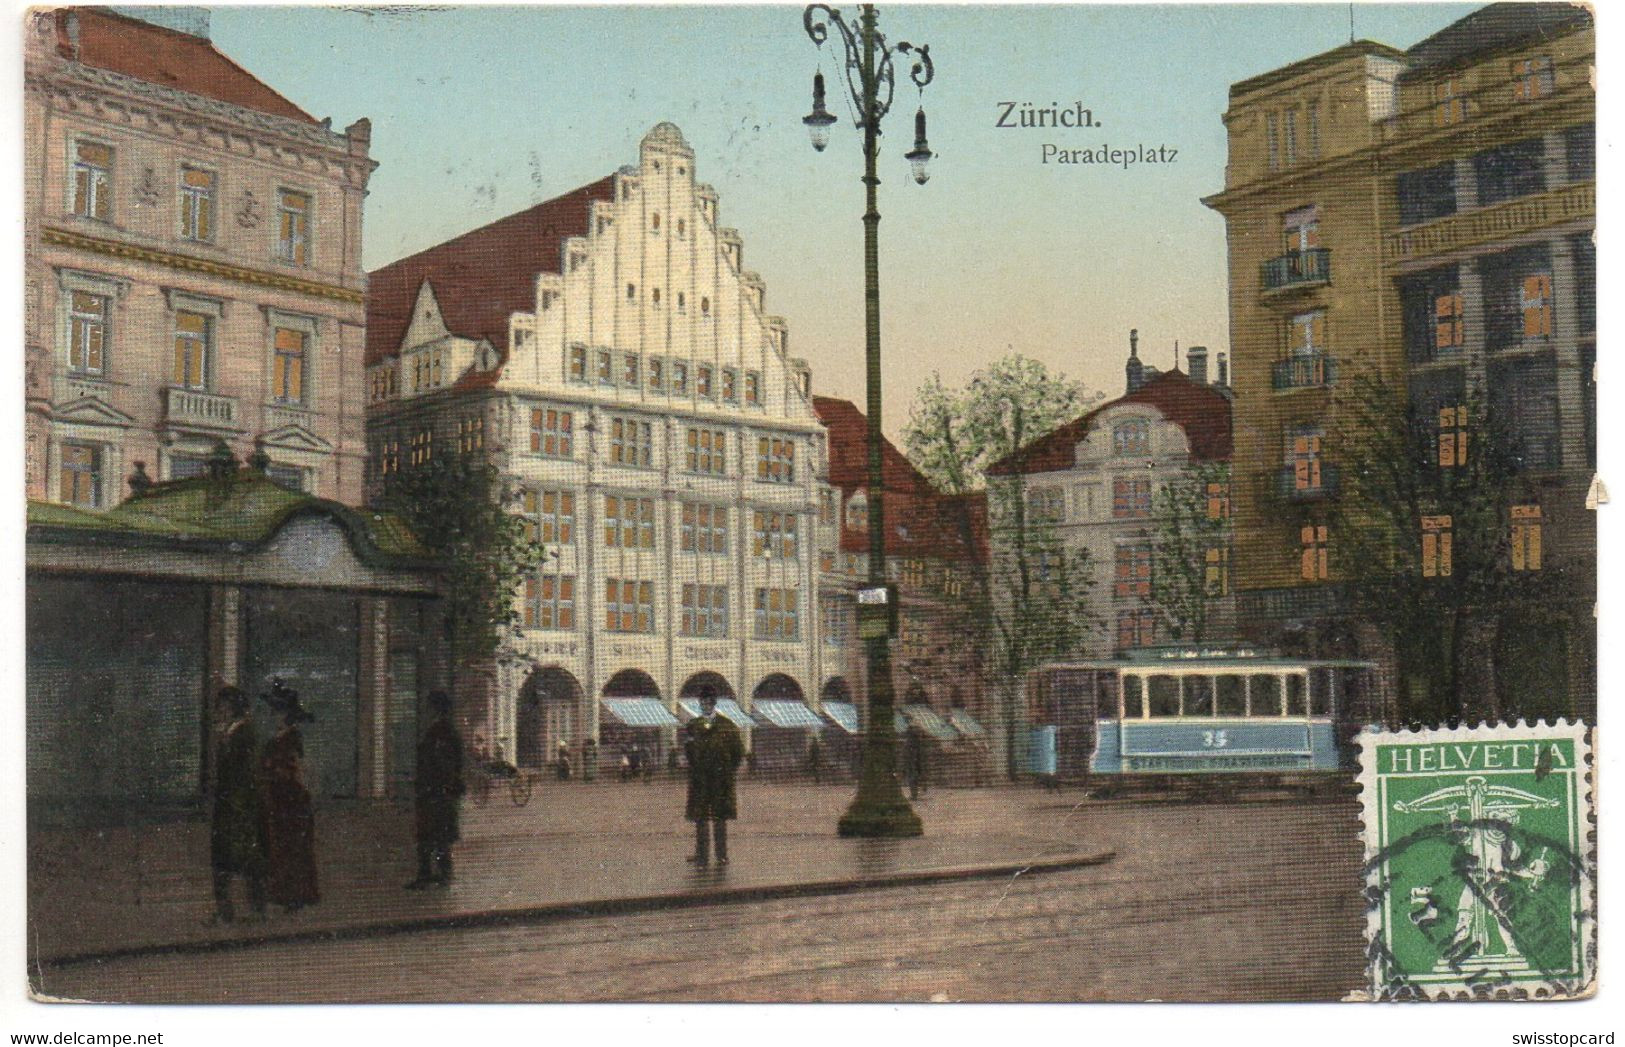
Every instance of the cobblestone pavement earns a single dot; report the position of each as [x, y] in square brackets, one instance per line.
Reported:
[1254, 901]
[92, 892]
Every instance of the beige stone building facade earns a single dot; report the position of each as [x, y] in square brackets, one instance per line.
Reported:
[193, 266]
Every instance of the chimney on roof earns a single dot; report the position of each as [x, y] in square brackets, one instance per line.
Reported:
[1196, 363]
[1223, 378]
[1134, 369]
[803, 375]
[73, 35]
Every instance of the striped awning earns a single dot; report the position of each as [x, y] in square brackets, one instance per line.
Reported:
[640, 712]
[966, 724]
[845, 715]
[726, 706]
[786, 714]
[926, 719]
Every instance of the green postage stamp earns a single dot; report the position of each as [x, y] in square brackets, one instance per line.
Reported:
[1480, 867]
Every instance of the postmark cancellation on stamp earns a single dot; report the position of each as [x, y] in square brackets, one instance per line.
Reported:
[1479, 862]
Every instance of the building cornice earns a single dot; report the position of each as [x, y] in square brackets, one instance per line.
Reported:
[204, 266]
[1372, 159]
[73, 81]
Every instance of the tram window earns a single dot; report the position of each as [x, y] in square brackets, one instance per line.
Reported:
[1198, 696]
[1320, 692]
[1133, 698]
[1164, 696]
[1264, 696]
[1106, 697]
[1296, 685]
[1232, 695]
[1352, 693]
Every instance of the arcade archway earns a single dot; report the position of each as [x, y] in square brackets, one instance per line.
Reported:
[550, 710]
[718, 683]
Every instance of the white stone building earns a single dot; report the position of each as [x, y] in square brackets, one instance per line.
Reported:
[612, 355]
[1096, 481]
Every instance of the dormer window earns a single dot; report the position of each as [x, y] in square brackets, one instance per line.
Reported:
[682, 304]
[654, 297]
[1131, 438]
[705, 306]
[654, 224]
[857, 512]
[631, 292]
[682, 228]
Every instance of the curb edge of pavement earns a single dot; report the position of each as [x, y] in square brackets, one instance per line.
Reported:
[558, 911]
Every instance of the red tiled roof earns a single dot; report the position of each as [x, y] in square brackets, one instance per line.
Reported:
[166, 57]
[481, 277]
[1202, 411]
[920, 520]
[849, 450]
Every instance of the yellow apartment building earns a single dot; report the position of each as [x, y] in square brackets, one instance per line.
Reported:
[1425, 215]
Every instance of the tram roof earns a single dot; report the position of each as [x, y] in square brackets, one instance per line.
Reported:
[1215, 662]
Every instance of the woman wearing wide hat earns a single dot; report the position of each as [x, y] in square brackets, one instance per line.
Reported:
[290, 817]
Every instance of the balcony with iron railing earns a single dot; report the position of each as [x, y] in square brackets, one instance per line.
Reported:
[1288, 488]
[1311, 371]
[200, 410]
[1297, 270]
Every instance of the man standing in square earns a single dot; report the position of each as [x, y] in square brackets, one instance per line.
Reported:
[714, 748]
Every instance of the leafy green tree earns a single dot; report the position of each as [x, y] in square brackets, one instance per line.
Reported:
[461, 510]
[1187, 530]
[1028, 602]
[1426, 542]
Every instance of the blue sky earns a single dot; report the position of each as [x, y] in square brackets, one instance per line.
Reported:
[479, 112]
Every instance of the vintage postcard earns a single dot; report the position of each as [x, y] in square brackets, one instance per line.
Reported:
[508, 522]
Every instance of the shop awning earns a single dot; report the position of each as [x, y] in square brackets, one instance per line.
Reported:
[845, 715]
[786, 714]
[640, 712]
[966, 724]
[926, 719]
[726, 706]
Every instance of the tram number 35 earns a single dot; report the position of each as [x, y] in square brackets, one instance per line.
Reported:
[1215, 739]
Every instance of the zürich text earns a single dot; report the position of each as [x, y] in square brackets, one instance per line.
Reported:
[1026, 114]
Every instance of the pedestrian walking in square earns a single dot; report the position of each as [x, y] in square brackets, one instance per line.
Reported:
[290, 815]
[714, 748]
[438, 791]
[237, 822]
[914, 760]
[815, 760]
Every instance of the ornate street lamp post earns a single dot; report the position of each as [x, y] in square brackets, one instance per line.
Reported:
[879, 809]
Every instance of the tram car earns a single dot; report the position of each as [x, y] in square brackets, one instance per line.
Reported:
[1170, 718]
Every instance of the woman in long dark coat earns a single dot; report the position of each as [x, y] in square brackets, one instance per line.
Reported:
[290, 815]
[237, 821]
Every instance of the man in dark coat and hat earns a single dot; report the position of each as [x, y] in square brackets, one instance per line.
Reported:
[714, 748]
[438, 787]
[237, 822]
